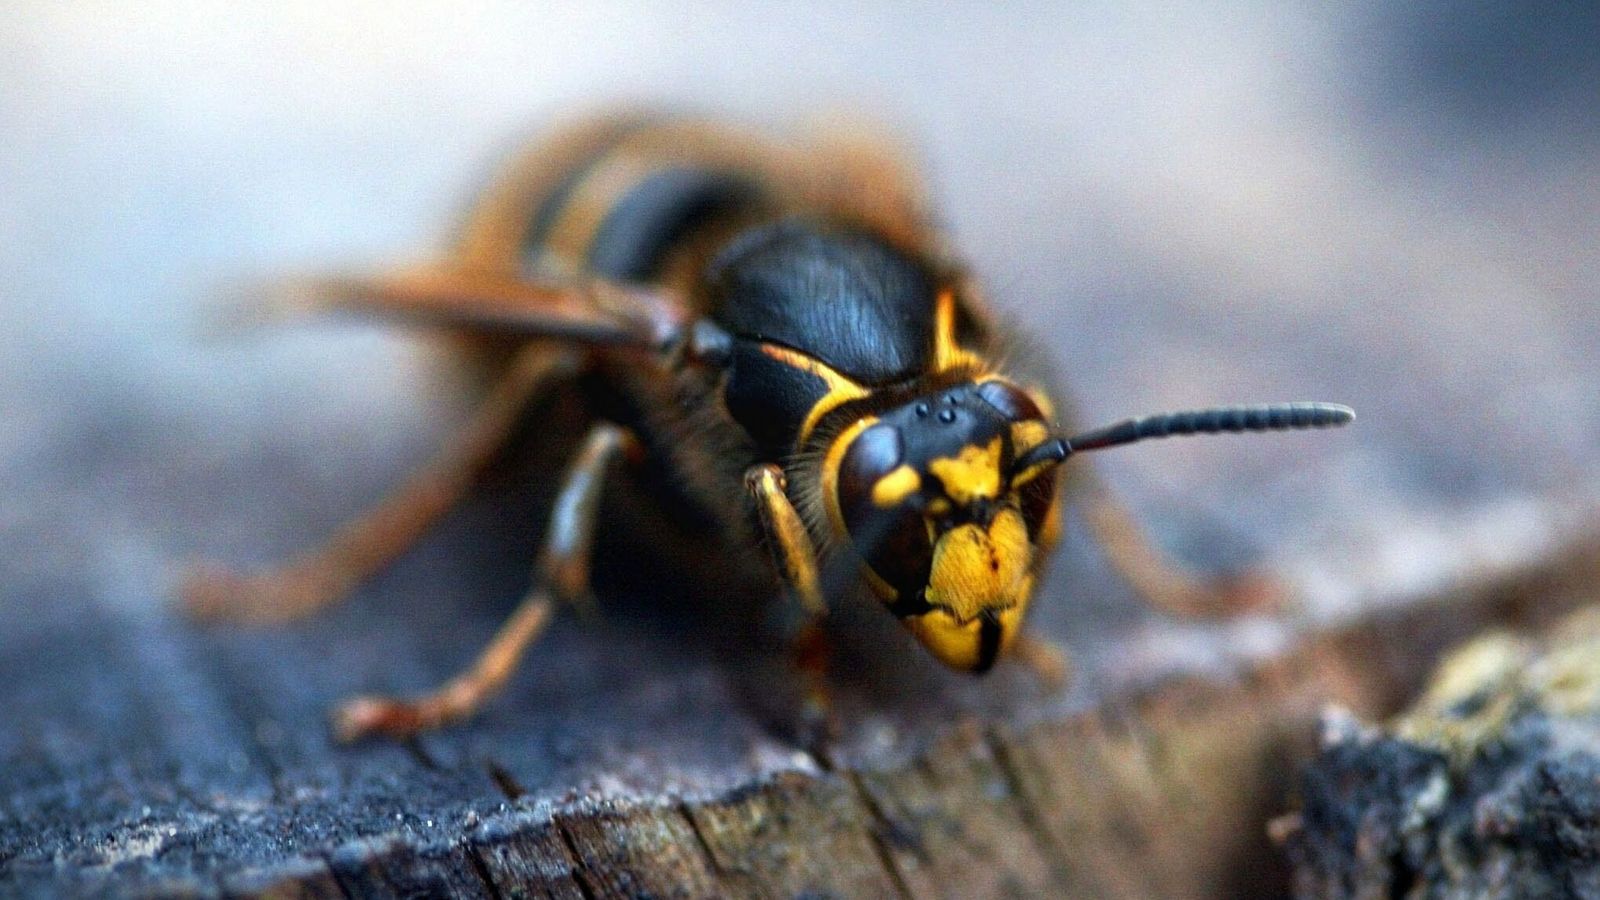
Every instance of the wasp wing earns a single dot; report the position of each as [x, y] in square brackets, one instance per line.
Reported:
[590, 311]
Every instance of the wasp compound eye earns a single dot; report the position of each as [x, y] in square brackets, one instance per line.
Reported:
[873, 456]
[879, 500]
[1010, 400]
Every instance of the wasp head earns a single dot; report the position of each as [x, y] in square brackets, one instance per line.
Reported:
[943, 499]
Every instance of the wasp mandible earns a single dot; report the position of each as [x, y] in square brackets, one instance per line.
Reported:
[775, 322]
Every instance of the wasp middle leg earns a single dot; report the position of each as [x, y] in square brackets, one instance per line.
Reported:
[562, 573]
[795, 559]
[1162, 582]
[321, 577]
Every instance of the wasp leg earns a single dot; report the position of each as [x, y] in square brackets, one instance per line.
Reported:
[322, 576]
[562, 573]
[1162, 582]
[787, 538]
[1044, 658]
[795, 559]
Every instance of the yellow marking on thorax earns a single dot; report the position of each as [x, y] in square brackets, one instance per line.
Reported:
[895, 487]
[972, 474]
[947, 353]
[840, 389]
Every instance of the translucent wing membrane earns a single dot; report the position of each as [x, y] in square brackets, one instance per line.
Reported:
[591, 312]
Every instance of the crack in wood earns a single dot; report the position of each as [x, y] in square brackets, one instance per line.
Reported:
[700, 839]
[1027, 808]
[338, 879]
[879, 830]
[481, 869]
[579, 866]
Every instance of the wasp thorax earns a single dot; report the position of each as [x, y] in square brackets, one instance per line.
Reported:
[943, 519]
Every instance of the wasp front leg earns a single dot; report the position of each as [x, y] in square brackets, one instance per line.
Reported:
[321, 577]
[562, 574]
[795, 559]
[1044, 658]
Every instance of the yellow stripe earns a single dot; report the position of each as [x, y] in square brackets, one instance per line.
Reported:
[580, 219]
[643, 152]
[497, 226]
[840, 389]
[829, 478]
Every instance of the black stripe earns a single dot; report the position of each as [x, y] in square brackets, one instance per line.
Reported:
[658, 211]
[555, 203]
[988, 642]
[914, 604]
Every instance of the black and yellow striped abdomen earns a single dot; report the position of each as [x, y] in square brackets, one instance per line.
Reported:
[640, 199]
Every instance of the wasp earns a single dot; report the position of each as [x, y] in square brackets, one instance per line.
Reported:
[781, 332]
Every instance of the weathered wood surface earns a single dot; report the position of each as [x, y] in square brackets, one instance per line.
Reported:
[1487, 786]
[1390, 233]
[1163, 792]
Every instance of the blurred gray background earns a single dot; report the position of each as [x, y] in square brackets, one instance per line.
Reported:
[1391, 206]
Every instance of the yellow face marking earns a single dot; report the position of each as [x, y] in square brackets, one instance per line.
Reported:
[972, 474]
[840, 388]
[956, 643]
[1029, 434]
[895, 487]
[1024, 437]
[947, 353]
[976, 568]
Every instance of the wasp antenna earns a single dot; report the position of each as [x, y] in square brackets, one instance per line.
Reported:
[1050, 452]
[1263, 417]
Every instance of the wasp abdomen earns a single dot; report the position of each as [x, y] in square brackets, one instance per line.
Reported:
[632, 196]
[650, 220]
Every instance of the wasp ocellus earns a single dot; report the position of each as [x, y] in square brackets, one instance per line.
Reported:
[780, 330]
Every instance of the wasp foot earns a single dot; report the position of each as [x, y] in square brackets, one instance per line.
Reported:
[363, 717]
